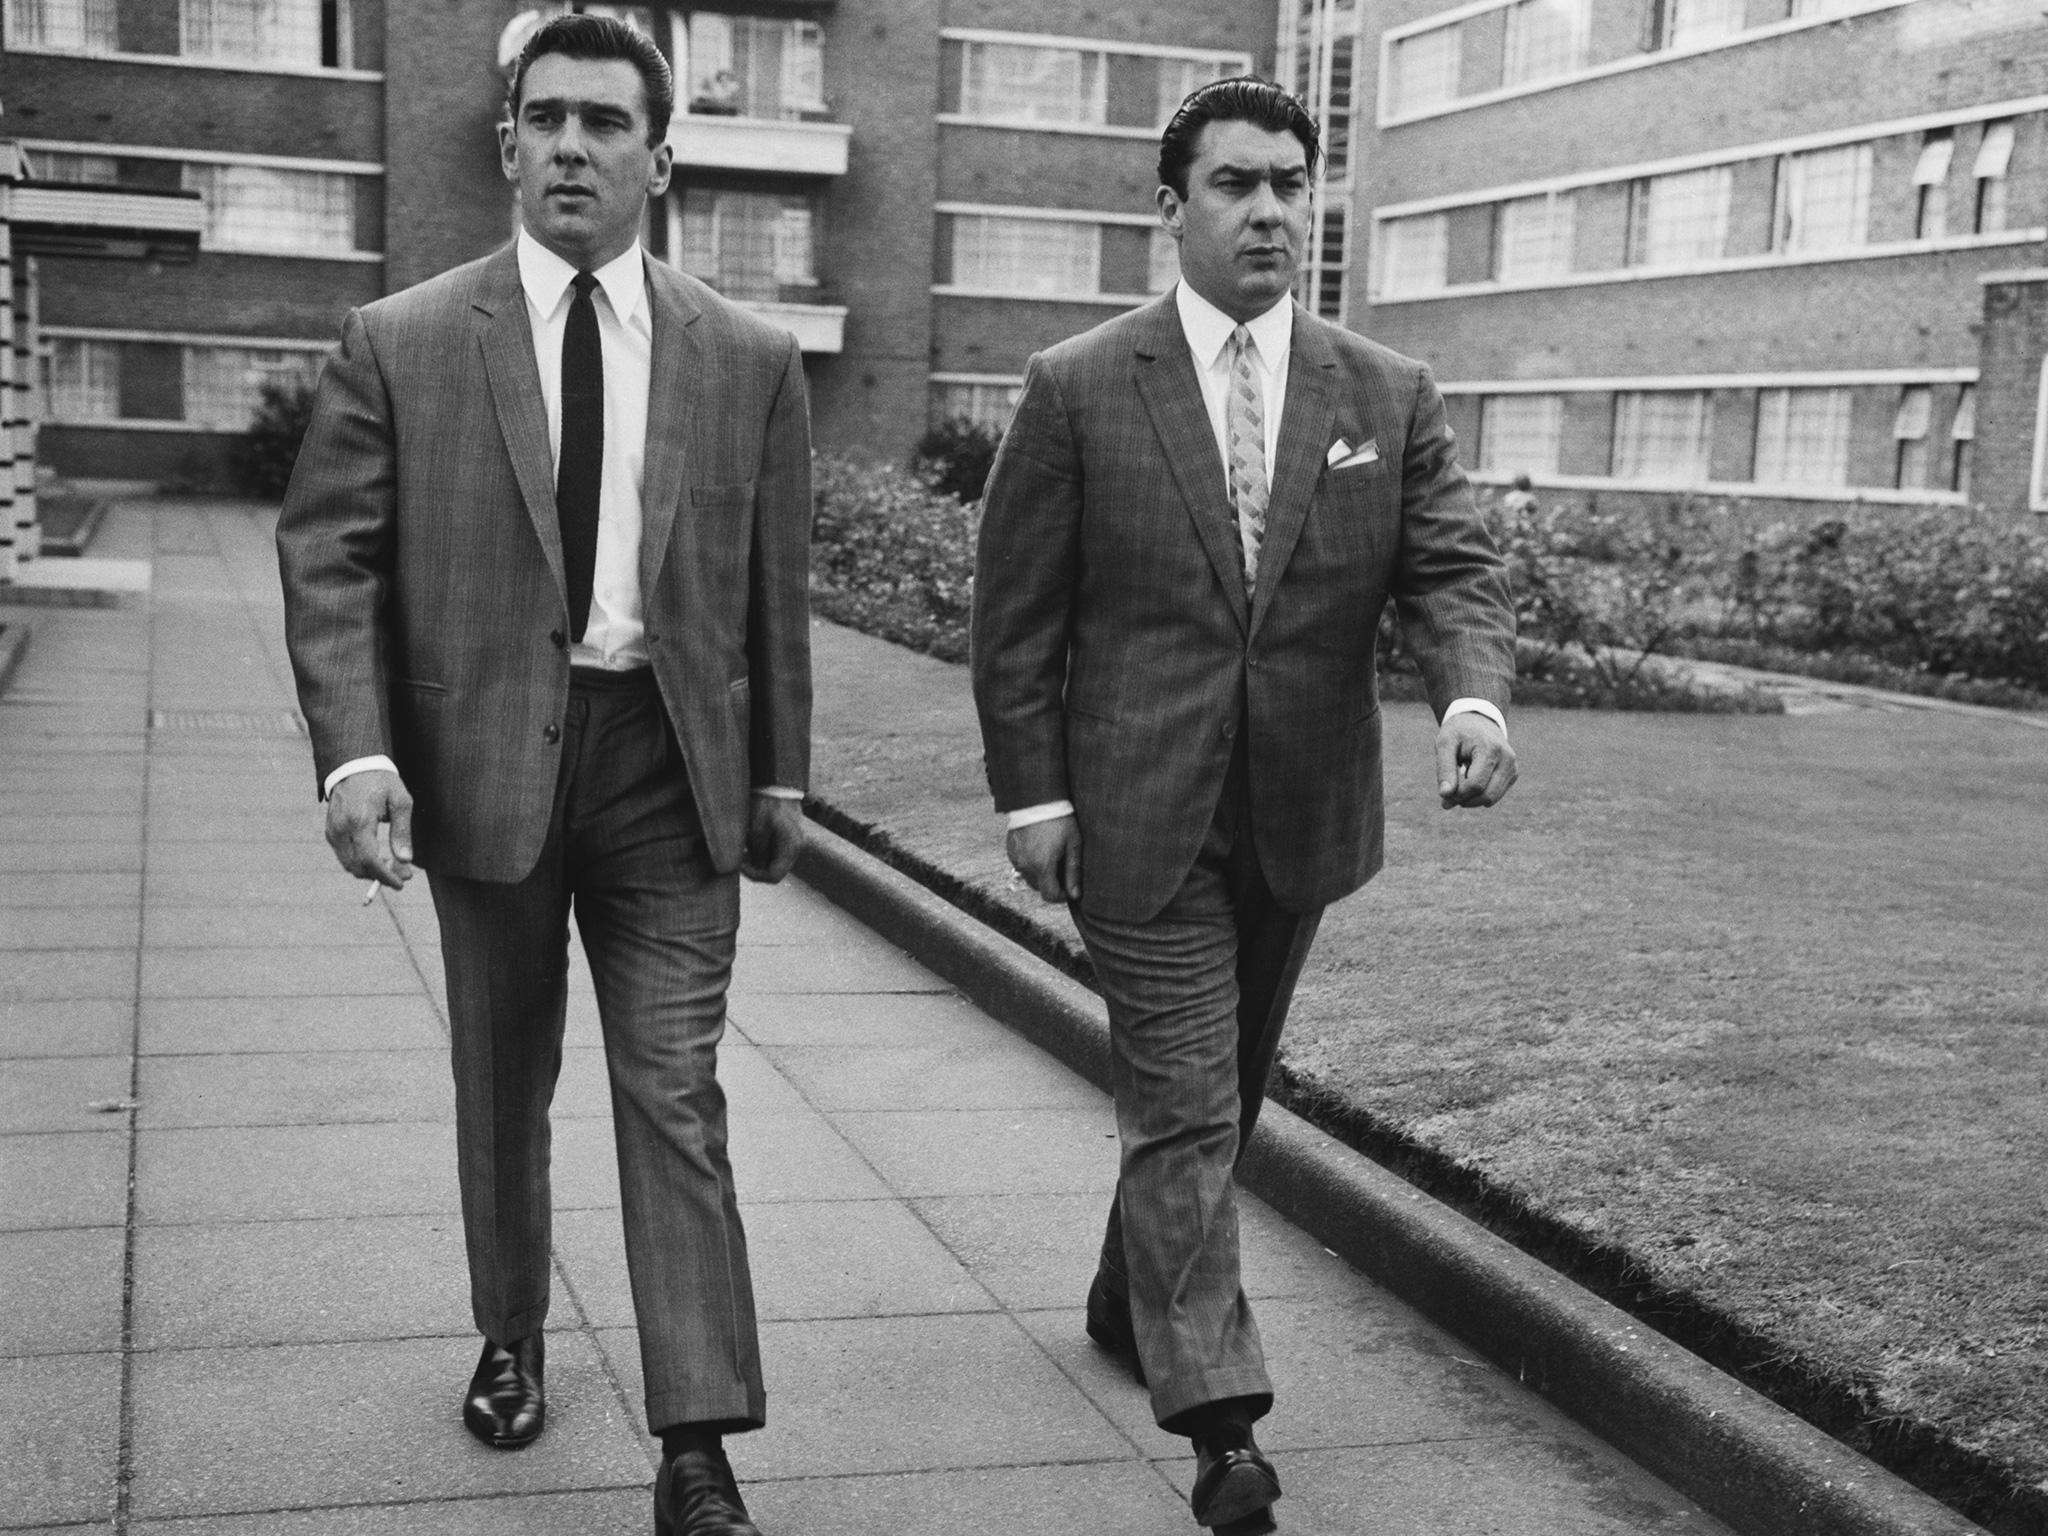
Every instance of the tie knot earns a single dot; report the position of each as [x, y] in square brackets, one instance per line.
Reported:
[1240, 342]
[583, 282]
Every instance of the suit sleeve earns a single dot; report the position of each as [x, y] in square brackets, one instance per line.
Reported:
[778, 613]
[336, 542]
[1027, 563]
[1450, 586]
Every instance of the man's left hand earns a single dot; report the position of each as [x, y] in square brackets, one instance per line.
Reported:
[775, 836]
[1474, 763]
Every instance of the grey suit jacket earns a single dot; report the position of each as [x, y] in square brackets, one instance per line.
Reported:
[425, 603]
[1116, 658]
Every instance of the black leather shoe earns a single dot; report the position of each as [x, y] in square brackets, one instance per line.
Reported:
[695, 1495]
[507, 1405]
[1109, 1325]
[1234, 1491]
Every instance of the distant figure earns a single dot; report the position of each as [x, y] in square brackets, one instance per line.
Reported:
[1520, 499]
[718, 97]
[1194, 521]
[545, 562]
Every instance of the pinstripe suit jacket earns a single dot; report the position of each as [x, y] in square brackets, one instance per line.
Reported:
[1116, 659]
[425, 603]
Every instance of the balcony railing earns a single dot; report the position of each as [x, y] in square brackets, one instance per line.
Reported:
[816, 327]
[707, 142]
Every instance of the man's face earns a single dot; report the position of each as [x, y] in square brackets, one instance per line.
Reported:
[1244, 222]
[579, 155]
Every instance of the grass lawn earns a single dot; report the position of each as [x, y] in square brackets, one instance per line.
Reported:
[1759, 1002]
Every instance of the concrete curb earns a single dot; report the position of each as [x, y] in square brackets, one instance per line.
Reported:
[1748, 1462]
[14, 635]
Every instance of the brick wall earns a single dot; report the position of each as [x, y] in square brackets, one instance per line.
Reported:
[2008, 391]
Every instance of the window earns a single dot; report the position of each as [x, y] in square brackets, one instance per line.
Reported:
[298, 32]
[747, 245]
[1962, 437]
[1414, 255]
[1824, 199]
[1802, 437]
[1520, 434]
[64, 26]
[1019, 83]
[1680, 218]
[224, 385]
[1663, 435]
[1909, 431]
[1028, 257]
[1535, 238]
[85, 380]
[282, 212]
[1426, 69]
[1994, 154]
[1181, 78]
[985, 404]
[753, 66]
[1546, 38]
[1163, 266]
[1806, 9]
[1930, 180]
[1694, 23]
[91, 170]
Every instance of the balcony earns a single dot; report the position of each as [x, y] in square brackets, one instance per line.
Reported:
[52, 218]
[817, 328]
[789, 147]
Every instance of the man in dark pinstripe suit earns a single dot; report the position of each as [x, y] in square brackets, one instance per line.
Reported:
[1196, 517]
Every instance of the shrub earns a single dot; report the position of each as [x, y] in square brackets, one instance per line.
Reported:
[956, 456]
[264, 458]
[892, 555]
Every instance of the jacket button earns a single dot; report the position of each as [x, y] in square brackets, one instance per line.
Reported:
[1229, 730]
[557, 639]
[551, 733]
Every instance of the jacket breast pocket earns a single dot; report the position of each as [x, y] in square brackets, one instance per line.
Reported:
[722, 498]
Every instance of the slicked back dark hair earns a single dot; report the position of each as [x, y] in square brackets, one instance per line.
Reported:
[601, 37]
[1240, 99]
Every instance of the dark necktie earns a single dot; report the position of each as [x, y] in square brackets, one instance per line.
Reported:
[580, 469]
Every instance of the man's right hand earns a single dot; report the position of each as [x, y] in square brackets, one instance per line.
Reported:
[1048, 855]
[357, 809]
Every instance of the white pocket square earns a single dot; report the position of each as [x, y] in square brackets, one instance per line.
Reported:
[1343, 456]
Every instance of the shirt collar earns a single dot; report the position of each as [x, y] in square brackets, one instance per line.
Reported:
[1208, 329]
[546, 277]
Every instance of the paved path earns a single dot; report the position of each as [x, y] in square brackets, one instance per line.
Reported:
[231, 1277]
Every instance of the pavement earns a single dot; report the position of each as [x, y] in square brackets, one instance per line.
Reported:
[229, 1242]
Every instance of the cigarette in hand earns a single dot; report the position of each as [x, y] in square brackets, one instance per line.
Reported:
[369, 893]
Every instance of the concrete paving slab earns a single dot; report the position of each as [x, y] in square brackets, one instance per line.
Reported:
[88, 1026]
[300, 1282]
[999, 1071]
[297, 824]
[795, 968]
[752, 1084]
[297, 1088]
[585, 1165]
[20, 825]
[60, 1093]
[282, 971]
[60, 1438]
[298, 851]
[111, 888]
[794, 914]
[209, 1025]
[285, 1172]
[988, 1151]
[70, 928]
[33, 974]
[798, 1157]
[329, 888]
[63, 1291]
[1124, 1498]
[617, 1513]
[64, 1179]
[225, 1430]
[49, 858]
[263, 927]
[857, 1019]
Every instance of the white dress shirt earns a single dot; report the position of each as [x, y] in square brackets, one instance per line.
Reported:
[615, 635]
[1208, 331]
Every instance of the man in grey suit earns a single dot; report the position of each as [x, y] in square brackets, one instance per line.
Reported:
[1195, 519]
[545, 568]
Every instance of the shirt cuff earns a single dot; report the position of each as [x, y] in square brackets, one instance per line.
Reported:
[1477, 707]
[1052, 810]
[778, 792]
[356, 765]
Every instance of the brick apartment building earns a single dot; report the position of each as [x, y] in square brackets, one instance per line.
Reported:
[1788, 249]
[923, 191]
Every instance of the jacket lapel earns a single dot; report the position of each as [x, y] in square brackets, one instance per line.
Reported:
[1173, 398]
[1305, 427]
[678, 364]
[514, 377]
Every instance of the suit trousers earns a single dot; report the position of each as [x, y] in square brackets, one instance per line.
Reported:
[1197, 999]
[625, 848]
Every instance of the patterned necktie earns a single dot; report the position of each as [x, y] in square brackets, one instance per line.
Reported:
[580, 467]
[1244, 419]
